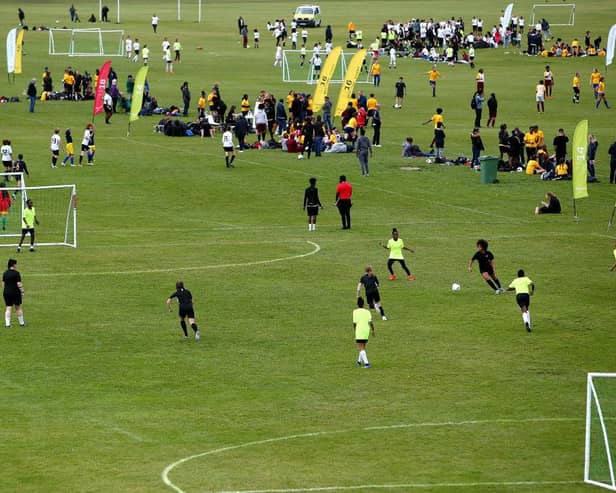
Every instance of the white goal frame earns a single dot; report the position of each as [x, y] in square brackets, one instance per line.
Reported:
[591, 397]
[73, 50]
[71, 214]
[571, 6]
[337, 77]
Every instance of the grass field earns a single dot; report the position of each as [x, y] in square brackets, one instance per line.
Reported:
[99, 393]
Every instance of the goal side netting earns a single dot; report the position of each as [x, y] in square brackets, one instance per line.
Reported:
[296, 69]
[600, 446]
[86, 42]
[556, 14]
[56, 211]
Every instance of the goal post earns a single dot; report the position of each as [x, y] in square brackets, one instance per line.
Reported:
[86, 42]
[557, 14]
[600, 446]
[56, 210]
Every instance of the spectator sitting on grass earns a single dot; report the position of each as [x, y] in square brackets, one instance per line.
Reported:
[552, 206]
[412, 150]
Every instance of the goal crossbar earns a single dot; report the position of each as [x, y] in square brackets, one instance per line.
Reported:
[571, 17]
[63, 41]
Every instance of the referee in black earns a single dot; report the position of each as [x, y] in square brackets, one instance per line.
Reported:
[312, 203]
[186, 310]
[13, 291]
[371, 284]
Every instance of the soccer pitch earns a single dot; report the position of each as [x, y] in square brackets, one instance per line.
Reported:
[100, 393]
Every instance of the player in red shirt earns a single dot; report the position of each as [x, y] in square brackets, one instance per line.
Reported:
[344, 191]
[5, 205]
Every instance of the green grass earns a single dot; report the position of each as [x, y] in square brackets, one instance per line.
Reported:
[99, 393]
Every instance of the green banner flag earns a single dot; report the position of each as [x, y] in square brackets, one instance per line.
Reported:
[137, 100]
[580, 171]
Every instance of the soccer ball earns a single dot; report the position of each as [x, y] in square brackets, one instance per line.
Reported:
[455, 287]
[300, 156]
[429, 161]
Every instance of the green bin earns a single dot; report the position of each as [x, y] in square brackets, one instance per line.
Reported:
[489, 168]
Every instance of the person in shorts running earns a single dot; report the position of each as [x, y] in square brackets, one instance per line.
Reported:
[186, 309]
[524, 288]
[485, 259]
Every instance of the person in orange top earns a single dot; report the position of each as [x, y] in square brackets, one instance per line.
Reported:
[371, 104]
[433, 74]
[351, 29]
[344, 191]
[575, 83]
[375, 72]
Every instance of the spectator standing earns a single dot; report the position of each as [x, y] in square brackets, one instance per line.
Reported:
[376, 126]
[363, 149]
[492, 110]
[185, 97]
[612, 152]
[312, 204]
[281, 117]
[13, 291]
[593, 145]
[177, 48]
[439, 142]
[344, 192]
[105, 14]
[241, 130]
[21, 16]
[477, 146]
[375, 72]
[108, 105]
[327, 113]
[31, 92]
[560, 146]
[478, 101]
[155, 21]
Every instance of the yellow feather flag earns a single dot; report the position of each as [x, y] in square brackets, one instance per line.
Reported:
[18, 50]
[350, 78]
[580, 171]
[326, 75]
[137, 99]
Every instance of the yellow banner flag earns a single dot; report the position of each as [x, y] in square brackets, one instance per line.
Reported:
[580, 171]
[350, 78]
[18, 50]
[135, 106]
[326, 75]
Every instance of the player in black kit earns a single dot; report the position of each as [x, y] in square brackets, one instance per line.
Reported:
[184, 298]
[371, 284]
[312, 204]
[13, 291]
[485, 259]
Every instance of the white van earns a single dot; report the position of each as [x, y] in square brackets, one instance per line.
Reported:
[308, 15]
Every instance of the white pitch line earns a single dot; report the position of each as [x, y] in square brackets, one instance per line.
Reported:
[407, 486]
[177, 489]
[315, 250]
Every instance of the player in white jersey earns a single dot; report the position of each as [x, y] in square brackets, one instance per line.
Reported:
[278, 57]
[166, 45]
[6, 151]
[128, 47]
[56, 142]
[136, 48]
[85, 142]
[227, 145]
[392, 57]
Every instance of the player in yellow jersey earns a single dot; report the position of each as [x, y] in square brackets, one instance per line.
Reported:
[433, 75]
[524, 288]
[363, 326]
[395, 245]
[575, 83]
[595, 77]
[601, 94]
[436, 118]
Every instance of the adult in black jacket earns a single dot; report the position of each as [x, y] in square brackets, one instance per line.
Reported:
[241, 130]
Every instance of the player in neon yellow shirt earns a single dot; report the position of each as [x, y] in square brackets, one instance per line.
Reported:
[614, 266]
[395, 245]
[363, 326]
[524, 288]
[28, 221]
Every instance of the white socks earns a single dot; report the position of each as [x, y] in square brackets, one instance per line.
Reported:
[363, 357]
[20, 318]
[312, 227]
[526, 317]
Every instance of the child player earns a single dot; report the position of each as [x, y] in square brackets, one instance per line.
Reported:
[485, 259]
[227, 146]
[524, 288]
[371, 284]
[395, 245]
[363, 325]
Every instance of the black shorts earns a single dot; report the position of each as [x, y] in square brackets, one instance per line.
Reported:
[7, 164]
[11, 299]
[25, 231]
[228, 149]
[362, 341]
[373, 297]
[523, 299]
[490, 272]
[85, 147]
[186, 312]
[55, 152]
[312, 210]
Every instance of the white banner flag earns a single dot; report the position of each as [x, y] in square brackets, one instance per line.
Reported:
[11, 47]
[611, 46]
[507, 15]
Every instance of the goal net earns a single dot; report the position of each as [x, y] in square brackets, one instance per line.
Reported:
[86, 42]
[562, 14]
[600, 450]
[56, 211]
[293, 70]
